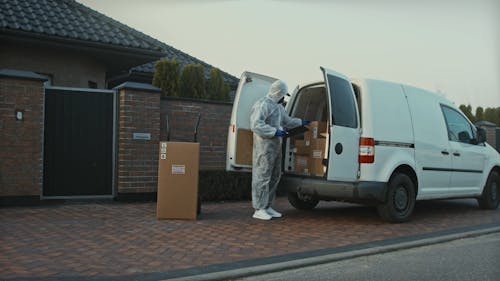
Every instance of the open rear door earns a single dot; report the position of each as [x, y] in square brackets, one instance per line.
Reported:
[345, 131]
[252, 87]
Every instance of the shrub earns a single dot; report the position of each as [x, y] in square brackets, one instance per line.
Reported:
[217, 89]
[192, 82]
[166, 77]
[227, 186]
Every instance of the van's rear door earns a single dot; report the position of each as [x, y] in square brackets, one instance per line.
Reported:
[343, 164]
[252, 87]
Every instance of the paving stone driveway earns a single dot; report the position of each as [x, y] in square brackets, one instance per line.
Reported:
[124, 241]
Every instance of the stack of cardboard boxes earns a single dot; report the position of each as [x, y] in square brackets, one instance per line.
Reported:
[310, 151]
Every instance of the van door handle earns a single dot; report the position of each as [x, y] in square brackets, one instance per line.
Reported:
[444, 152]
[456, 154]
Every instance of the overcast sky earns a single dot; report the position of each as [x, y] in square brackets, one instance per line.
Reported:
[449, 46]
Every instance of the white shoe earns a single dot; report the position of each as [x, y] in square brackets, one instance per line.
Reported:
[261, 214]
[273, 213]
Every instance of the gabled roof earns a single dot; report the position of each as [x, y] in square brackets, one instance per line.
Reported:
[71, 23]
[485, 123]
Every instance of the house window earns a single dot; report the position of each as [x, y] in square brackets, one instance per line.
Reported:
[92, 84]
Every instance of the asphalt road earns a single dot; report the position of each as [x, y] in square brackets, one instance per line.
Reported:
[476, 258]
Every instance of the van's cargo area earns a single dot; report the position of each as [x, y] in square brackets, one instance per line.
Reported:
[308, 151]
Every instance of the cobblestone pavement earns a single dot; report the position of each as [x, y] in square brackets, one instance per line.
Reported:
[125, 241]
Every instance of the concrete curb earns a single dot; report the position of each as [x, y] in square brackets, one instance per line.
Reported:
[280, 266]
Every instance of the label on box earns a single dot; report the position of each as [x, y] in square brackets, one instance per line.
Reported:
[178, 169]
[164, 145]
[308, 142]
[316, 153]
[163, 150]
[163, 156]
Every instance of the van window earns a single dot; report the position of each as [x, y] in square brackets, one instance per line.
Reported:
[343, 105]
[459, 129]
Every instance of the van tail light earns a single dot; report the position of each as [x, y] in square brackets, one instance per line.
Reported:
[366, 150]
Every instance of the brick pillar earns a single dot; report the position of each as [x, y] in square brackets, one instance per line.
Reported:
[138, 137]
[21, 161]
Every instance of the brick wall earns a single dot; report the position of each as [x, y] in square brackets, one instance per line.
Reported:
[491, 136]
[21, 160]
[139, 112]
[212, 130]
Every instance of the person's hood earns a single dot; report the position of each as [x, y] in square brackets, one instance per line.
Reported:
[277, 90]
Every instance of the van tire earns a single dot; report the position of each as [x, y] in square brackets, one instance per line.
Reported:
[400, 200]
[490, 197]
[301, 203]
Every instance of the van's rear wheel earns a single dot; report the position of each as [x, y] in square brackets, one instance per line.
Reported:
[491, 193]
[400, 200]
[302, 201]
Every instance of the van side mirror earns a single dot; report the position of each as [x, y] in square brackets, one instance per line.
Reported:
[481, 135]
[464, 137]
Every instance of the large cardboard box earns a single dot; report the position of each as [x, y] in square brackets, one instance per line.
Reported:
[178, 180]
[317, 155]
[316, 129]
[302, 147]
[244, 147]
[301, 164]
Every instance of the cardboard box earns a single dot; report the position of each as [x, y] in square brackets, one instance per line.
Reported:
[317, 144]
[316, 167]
[302, 147]
[178, 180]
[244, 147]
[316, 129]
[301, 164]
[317, 155]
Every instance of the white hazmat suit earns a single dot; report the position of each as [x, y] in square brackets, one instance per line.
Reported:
[266, 118]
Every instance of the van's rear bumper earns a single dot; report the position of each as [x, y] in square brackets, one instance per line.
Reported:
[361, 191]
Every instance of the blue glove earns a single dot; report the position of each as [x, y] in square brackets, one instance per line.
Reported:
[305, 122]
[280, 133]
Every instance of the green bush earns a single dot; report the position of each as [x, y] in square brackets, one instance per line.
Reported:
[166, 77]
[192, 82]
[217, 89]
[216, 186]
[225, 186]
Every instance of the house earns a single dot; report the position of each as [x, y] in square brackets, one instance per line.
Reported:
[75, 46]
[492, 133]
[79, 117]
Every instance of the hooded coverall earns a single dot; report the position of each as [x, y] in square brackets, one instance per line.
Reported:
[267, 116]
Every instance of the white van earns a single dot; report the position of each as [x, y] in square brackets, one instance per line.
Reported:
[374, 142]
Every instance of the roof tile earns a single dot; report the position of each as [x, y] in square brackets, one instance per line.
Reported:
[68, 19]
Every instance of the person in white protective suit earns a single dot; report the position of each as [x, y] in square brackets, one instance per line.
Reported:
[268, 122]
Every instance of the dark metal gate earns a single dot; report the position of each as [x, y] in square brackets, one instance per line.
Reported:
[78, 143]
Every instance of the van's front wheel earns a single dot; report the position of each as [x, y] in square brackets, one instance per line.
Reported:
[400, 200]
[491, 193]
[301, 201]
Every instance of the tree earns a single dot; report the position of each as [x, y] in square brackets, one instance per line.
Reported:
[479, 113]
[467, 110]
[192, 82]
[217, 89]
[492, 114]
[166, 77]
